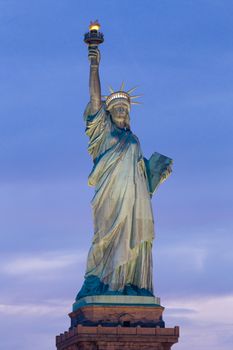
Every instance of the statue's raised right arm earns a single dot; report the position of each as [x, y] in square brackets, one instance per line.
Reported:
[94, 80]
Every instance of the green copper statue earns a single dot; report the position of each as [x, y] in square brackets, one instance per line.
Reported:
[120, 258]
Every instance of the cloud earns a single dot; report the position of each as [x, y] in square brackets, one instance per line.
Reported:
[36, 309]
[203, 310]
[29, 278]
[41, 263]
[191, 265]
[205, 322]
[194, 257]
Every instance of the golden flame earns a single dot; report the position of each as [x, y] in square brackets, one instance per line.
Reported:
[94, 26]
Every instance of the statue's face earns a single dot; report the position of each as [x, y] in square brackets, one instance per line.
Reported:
[120, 115]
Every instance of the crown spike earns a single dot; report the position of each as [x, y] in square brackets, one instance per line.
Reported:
[111, 89]
[135, 96]
[136, 103]
[131, 90]
[122, 86]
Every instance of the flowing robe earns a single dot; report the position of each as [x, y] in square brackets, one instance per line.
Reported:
[120, 257]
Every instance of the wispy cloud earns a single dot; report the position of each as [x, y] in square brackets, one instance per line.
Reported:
[205, 322]
[208, 309]
[41, 263]
[36, 309]
[194, 257]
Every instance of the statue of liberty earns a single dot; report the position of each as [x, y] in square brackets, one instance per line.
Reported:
[120, 258]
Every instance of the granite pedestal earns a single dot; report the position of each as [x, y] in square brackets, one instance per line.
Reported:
[117, 323]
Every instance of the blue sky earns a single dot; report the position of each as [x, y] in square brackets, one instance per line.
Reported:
[180, 55]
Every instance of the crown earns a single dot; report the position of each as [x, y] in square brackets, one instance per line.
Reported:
[121, 96]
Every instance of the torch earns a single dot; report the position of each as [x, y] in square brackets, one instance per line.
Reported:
[94, 37]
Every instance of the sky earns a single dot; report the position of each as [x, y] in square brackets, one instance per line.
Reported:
[180, 55]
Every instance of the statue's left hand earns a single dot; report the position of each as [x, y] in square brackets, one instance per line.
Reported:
[166, 172]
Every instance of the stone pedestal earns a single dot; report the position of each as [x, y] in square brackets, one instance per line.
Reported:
[112, 325]
[117, 338]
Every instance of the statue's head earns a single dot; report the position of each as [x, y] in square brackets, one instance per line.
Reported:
[120, 114]
[118, 104]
